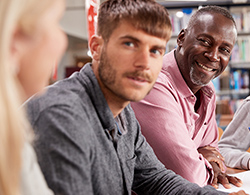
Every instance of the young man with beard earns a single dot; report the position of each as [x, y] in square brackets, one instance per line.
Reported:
[178, 116]
[89, 141]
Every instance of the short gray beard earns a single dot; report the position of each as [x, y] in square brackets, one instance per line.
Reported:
[196, 81]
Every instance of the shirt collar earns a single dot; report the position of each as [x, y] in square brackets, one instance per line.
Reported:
[171, 68]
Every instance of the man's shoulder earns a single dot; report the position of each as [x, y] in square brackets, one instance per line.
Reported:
[170, 74]
[58, 96]
[171, 82]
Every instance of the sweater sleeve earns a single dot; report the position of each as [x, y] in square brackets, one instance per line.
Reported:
[235, 140]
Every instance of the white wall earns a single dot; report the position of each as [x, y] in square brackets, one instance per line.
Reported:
[74, 20]
[74, 24]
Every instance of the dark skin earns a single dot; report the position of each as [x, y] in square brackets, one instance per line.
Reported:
[217, 162]
[224, 179]
[202, 54]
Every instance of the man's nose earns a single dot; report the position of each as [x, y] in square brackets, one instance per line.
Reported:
[143, 59]
[213, 55]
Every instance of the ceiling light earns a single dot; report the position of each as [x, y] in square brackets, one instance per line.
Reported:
[179, 14]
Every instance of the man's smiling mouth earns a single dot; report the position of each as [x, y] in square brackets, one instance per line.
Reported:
[204, 67]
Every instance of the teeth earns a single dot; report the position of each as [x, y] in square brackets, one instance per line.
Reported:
[204, 67]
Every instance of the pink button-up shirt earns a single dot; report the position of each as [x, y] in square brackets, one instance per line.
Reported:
[173, 128]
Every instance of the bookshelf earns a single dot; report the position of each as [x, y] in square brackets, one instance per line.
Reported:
[239, 65]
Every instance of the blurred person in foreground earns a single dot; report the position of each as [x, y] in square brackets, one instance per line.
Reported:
[235, 140]
[89, 141]
[31, 44]
[178, 116]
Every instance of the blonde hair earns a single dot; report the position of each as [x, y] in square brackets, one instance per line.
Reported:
[21, 14]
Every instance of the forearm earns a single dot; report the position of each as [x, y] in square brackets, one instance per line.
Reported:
[236, 158]
[235, 142]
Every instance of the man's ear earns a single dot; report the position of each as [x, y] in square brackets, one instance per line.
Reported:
[181, 37]
[95, 45]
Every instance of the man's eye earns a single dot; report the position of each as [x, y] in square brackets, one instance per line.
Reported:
[204, 41]
[156, 51]
[130, 44]
[225, 50]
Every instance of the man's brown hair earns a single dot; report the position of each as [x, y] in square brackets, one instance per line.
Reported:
[145, 15]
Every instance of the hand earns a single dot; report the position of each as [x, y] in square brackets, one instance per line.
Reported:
[212, 155]
[241, 192]
[224, 179]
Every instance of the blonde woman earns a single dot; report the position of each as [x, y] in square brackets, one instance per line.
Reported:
[31, 44]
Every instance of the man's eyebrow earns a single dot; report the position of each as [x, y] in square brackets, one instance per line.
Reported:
[206, 35]
[159, 47]
[211, 37]
[138, 40]
[130, 37]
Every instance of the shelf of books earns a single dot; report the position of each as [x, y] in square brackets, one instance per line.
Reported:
[235, 85]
